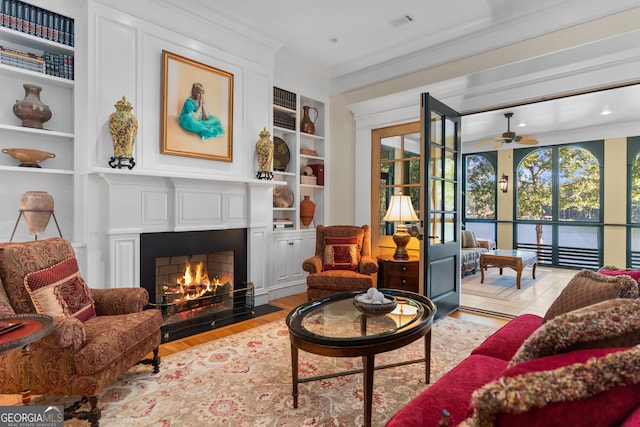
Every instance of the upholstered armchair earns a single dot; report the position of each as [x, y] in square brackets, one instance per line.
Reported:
[98, 334]
[342, 261]
[470, 251]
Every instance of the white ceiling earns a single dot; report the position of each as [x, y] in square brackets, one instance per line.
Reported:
[355, 44]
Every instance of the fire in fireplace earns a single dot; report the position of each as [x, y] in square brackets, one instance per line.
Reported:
[197, 279]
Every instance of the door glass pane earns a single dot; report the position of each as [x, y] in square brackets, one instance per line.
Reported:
[449, 228]
[436, 196]
[450, 165]
[450, 134]
[436, 128]
[435, 229]
[436, 162]
[449, 196]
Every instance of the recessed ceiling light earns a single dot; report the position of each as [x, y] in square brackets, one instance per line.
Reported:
[522, 124]
[605, 112]
[401, 20]
[333, 40]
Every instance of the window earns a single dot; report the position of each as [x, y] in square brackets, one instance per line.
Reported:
[558, 204]
[396, 170]
[479, 196]
[633, 211]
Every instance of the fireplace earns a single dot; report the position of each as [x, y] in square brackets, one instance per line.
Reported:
[197, 278]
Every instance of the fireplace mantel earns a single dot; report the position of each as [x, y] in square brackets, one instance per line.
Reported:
[136, 203]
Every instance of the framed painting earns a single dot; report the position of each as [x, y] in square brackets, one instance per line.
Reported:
[197, 109]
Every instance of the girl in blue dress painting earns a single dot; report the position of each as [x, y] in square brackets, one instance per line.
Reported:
[194, 116]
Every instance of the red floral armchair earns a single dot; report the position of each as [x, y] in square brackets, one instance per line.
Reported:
[342, 261]
[98, 334]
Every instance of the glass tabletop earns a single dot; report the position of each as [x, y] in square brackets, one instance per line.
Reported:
[335, 319]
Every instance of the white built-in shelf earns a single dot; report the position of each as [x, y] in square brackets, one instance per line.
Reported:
[43, 132]
[284, 130]
[305, 156]
[308, 135]
[36, 170]
[34, 42]
[284, 109]
[311, 186]
[34, 75]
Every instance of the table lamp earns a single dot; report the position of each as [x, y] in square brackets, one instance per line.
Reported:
[401, 210]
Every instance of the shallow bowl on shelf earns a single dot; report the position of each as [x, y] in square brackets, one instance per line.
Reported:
[373, 309]
[28, 157]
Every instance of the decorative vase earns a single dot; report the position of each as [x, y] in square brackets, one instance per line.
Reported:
[306, 124]
[31, 110]
[307, 210]
[124, 128]
[264, 151]
[36, 208]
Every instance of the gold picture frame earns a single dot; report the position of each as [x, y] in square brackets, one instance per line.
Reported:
[197, 109]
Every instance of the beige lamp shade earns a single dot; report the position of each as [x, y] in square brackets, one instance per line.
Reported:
[401, 210]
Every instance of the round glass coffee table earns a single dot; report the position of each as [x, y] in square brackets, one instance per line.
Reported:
[334, 327]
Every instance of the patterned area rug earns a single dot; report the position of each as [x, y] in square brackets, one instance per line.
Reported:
[502, 287]
[245, 380]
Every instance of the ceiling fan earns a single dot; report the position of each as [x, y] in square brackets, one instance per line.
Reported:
[509, 136]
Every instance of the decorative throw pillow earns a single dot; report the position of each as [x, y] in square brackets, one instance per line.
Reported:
[60, 291]
[613, 323]
[341, 253]
[597, 387]
[468, 239]
[609, 270]
[588, 287]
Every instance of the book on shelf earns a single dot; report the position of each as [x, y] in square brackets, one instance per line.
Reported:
[282, 223]
[30, 19]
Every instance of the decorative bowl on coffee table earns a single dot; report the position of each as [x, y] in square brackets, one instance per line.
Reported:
[375, 308]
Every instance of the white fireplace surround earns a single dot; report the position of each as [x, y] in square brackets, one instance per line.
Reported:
[145, 204]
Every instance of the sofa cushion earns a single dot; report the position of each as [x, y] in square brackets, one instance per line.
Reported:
[109, 338]
[506, 341]
[471, 254]
[609, 270]
[60, 291]
[606, 324]
[341, 253]
[468, 239]
[588, 287]
[450, 392]
[596, 387]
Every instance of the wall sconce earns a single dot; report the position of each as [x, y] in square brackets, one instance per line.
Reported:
[504, 183]
[401, 210]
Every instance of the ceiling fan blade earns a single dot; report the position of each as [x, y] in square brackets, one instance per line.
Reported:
[486, 142]
[528, 142]
[498, 145]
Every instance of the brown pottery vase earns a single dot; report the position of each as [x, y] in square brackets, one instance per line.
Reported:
[307, 210]
[36, 208]
[31, 110]
[264, 151]
[306, 124]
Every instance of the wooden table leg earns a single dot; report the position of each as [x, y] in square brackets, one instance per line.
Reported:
[427, 357]
[26, 380]
[367, 383]
[519, 267]
[482, 269]
[533, 272]
[294, 374]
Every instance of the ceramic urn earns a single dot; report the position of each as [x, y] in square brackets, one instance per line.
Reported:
[264, 152]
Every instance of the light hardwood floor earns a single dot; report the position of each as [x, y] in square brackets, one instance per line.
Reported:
[287, 304]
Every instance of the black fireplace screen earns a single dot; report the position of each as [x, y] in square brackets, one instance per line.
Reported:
[197, 278]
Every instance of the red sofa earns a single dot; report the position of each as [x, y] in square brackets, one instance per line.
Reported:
[577, 365]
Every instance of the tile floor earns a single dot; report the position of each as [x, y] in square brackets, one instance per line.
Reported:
[535, 299]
